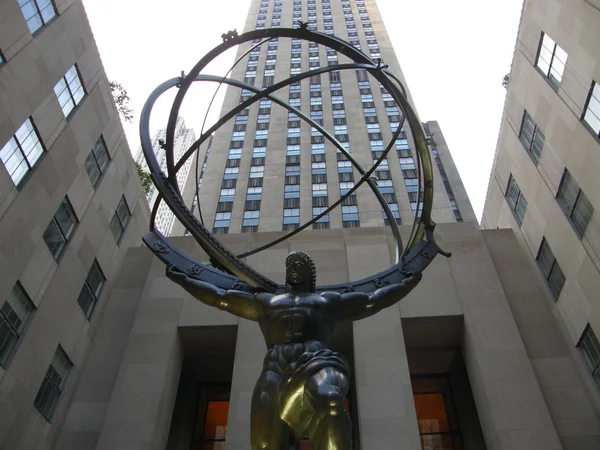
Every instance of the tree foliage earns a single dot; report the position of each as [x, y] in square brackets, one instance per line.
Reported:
[144, 178]
[505, 81]
[121, 99]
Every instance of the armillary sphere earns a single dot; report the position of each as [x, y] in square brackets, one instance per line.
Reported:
[229, 271]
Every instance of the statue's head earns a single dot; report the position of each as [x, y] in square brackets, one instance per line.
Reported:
[300, 272]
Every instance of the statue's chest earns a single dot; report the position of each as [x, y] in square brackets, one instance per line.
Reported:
[294, 318]
[287, 301]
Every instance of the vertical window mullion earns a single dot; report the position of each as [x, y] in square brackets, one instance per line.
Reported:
[575, 204]
[59, 229]
[20, 148]
[551, 270]
[552, 60]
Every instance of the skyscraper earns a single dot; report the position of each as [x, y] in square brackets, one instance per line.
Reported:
[271, 171]
[184, 137]
[544, 183]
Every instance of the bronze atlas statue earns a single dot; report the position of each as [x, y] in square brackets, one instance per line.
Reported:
[301, 390]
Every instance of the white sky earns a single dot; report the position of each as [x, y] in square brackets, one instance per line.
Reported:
[453, 55]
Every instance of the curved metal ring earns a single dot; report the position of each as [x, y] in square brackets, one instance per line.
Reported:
[418, 252]
[365, 175]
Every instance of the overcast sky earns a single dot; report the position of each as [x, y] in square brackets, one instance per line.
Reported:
[453, 55]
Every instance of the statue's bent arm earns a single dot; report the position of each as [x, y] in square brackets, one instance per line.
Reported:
[353, 305]
[241, 304]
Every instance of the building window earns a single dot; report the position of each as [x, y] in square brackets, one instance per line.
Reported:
[550, 268]
[574, 203]
[291, 216]
[551, 60]
[37, 13]
[91, 290]
[531, 137]
[60, 229]
[590, 348]
[53, 384]
[591, 116]
[96, 162]
[120, 220]
[345, 186]
[254, 193]
[69, 91]
[349, 213]
[515, 200]
[231, 173]
[291, 191]
[319, 210]
[210, 429]
[21, 152]
[395, 213]
[257, 171]
[14, 316]
[438, 424]
[222, 220]
[319, 190]
[251, 218]
[226, 195]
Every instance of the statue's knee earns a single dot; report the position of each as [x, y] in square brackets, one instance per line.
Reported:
[331, 401]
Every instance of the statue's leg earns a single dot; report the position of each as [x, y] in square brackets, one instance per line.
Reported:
[330, 428]
[267, 430]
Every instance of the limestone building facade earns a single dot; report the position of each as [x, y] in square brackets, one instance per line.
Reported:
[70, 205]
[544, 182]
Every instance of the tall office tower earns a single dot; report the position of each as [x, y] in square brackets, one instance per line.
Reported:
[270, 171]
[70, 205]
[544, 183]
[183, 139]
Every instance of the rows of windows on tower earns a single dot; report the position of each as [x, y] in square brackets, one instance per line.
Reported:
[21, 156]
[552, 62]
[321, 182]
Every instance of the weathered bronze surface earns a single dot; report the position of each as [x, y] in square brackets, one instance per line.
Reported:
[302, 387]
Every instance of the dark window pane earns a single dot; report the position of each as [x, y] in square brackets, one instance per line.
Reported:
[556, 280]
[8, 341]
[54, 239]
[590, 347]
[86, 300]
[567, 193]
[101, 154]
[520, 209]
[545, 258]
[582, 214]
[92, 169]
[115, 228]
[65, 218]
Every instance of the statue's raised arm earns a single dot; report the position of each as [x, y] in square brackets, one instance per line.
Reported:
[354, 305]
[239, 303]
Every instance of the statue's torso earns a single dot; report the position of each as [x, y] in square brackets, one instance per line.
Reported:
[296, 318]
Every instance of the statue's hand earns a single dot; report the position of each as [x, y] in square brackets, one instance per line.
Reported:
[176, 275]
[413, 279]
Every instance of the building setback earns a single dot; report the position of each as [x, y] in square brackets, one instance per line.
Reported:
[544, 182]
[472, 359]
[70, 205]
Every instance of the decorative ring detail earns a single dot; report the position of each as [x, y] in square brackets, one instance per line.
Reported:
[229, 271]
